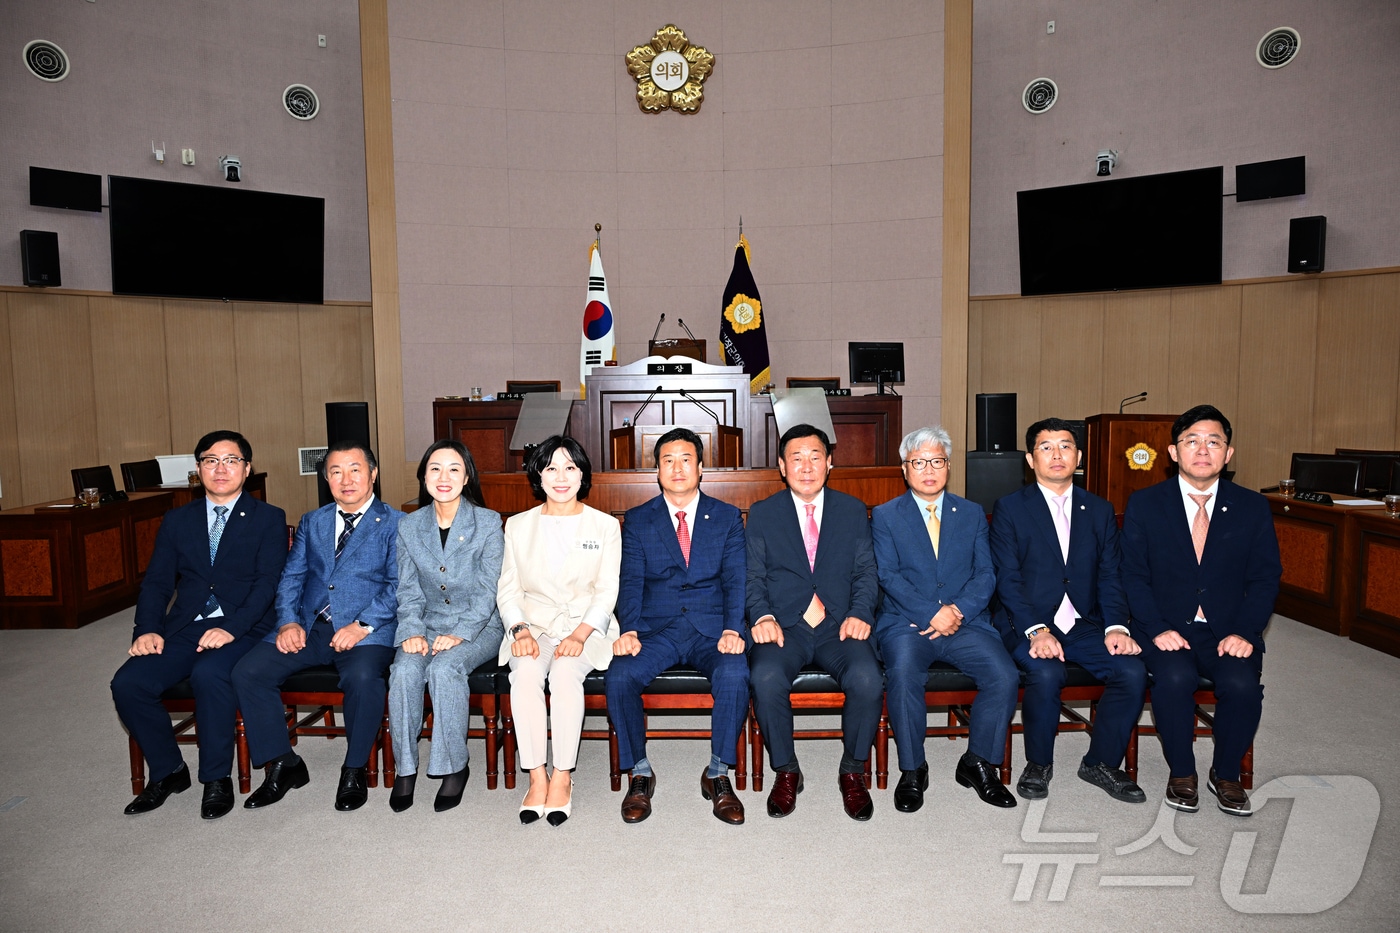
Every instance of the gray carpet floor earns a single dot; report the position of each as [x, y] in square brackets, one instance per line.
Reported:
[69, 859]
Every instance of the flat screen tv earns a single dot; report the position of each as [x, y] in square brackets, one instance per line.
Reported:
[176, 240]
[73, 191]
[1152, 231]
[875, 362]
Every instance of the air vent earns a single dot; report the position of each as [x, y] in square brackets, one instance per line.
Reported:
[1040, 95]
[310, 459]
[46, 61]
[301, 101]
[1279, 47]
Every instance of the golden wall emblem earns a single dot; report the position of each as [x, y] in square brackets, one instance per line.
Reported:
[670, 72]
[1140, 457]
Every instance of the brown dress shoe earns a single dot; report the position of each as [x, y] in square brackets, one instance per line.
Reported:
[727, 806]
[1181, 794]
[782, 799]
[636, 806]
[1229, 796]
[855, 798]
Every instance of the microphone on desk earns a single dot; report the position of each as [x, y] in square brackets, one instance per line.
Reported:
[681, 322]
[710, 411]
[643, 406]
[1132, 398]
[661, 320]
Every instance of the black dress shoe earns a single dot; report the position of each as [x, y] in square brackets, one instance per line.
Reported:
[401, 797]
[450, 793]
[1035, 780]
[782, 799]
[909, 792]
[176, 782]
[218, 799]
[281, 777]
[981, 775]
[353, 790]
[1114, 782]
[855, 799]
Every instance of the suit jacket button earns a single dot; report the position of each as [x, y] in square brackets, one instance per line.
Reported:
[448, 600]
[443, 569]
[1065, 581]
[684, 609]
[443, 586]
[332, 586]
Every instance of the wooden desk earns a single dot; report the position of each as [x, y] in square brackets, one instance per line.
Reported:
[486, 428]
[1319, 547]
[616, 492]
[1377, 620]
[256, 487]
[868, 430]
[66, 567]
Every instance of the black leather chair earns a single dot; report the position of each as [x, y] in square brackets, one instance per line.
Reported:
[1377, 467]
[1327, 473]
[97, 476]
[488, 683]
[814, 382]
[815, 690]
[140, 474]
[532, 385]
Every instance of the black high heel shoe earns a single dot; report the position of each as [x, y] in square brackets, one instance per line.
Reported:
[401, 797]
[450, 793]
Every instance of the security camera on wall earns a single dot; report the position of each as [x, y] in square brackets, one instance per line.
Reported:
[1106, 160]
[232, 169]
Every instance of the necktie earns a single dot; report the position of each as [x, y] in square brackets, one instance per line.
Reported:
[1064, 616]
[934, 525]
[683, 536]
[216, 533]
[345, 533]
[1200, 526]
[809, 535]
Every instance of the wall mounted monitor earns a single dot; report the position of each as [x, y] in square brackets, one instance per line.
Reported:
[876, 363]
[175, 240]
[1152, 231]
[1278, 178]
[73, 191]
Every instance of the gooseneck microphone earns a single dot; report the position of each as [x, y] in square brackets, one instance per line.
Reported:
[1132, 398]
[707, 408]
[659, 321]
[643, 406]
[681, 322]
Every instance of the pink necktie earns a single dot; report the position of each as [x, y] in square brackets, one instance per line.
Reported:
[683, 536]
[809, 536]
[1200, 526]
[1064, 616]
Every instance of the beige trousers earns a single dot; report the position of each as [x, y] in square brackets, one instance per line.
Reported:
[527, 681]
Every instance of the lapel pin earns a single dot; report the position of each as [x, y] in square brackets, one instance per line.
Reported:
[376, 519]
[1081, 508]
[707, 517]
[955, 508]
[1224, 508]
[241, 514]
[461, 537]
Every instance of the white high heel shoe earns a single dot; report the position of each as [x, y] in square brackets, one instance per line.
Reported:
[528, 814]
[557, 815]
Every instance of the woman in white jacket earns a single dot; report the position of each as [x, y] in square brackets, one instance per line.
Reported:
[558, 588]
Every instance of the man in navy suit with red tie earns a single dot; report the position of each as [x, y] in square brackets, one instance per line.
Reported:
[681, 601]
[812, 589]
[1056, 552]
[1201, 570]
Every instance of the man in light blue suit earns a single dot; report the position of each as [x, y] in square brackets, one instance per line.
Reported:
[936, 572]
[337, 604]
[681, 601]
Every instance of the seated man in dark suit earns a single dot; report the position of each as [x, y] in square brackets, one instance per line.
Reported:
[220, 556]
[337, 604]
[937, 578]
[681, 601]
[812, 591]
[1056, 552]
[1201, 571]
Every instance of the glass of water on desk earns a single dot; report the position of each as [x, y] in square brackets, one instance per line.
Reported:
[1392, 505]
[90, 496]
[1288, 488]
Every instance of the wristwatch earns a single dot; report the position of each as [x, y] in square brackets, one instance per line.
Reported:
[517, 628]
[369, 629]
[1030, 636]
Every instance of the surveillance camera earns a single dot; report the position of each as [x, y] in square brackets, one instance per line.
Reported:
[1106, 160]
[232, 168]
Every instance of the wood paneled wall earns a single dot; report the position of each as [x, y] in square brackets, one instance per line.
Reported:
[88, 379]
[1298, 364]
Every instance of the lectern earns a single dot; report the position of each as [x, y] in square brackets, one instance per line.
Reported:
[1126, 453]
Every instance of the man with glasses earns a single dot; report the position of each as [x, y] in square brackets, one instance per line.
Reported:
[936, 573]
[220, 557]
[1201, 572]
[337, 604]
[1056, 552]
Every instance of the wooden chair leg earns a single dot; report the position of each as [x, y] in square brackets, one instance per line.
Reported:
[756, 751]
[387, 751]
[614, 769]
[1247, 768]
[291, 715]
[330, 723]
[1130, 757]
[882, 752]
[491, 722]
[138, 766]
[867, 774]
[509, 765]
[741, 755]
[372, 763]
[240, 748]
[1005, 769]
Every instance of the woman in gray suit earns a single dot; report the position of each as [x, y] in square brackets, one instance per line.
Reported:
[558, 587]
[449, 562]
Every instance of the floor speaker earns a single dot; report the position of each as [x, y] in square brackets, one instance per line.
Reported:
[38, 251]
[1307, 244]
[345, 421]
[992, 474]
[996, 421]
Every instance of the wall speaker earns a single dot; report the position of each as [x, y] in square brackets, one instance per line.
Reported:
[996, 421]
[345, 421]
[1307, 244]
[38, 253]
[992, 474]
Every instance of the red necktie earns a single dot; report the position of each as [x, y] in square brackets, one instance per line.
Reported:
[683, 536]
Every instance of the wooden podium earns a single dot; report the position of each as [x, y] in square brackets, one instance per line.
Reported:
[1125, 453]
[635, 445]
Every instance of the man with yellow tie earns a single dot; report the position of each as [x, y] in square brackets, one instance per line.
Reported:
[935, 568]
[811, 595]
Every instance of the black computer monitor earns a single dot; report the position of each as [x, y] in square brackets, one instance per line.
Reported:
[876, 363]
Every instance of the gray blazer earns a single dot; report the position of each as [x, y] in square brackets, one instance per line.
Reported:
[452, 590]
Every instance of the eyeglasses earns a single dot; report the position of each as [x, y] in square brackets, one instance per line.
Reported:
[1063, 447]
[1193, 442]
[937, 463]
[210, 463]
